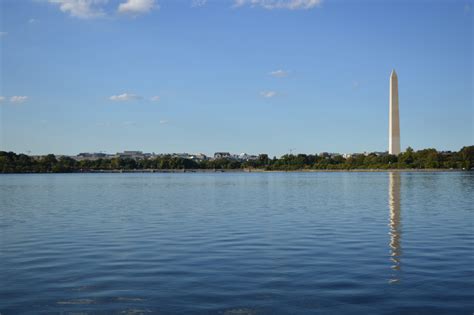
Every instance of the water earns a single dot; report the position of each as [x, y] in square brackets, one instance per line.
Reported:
[271, 243]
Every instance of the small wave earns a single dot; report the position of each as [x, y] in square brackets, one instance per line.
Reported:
[76, 302]
[135, 312]
[240, 311]
[126, 299]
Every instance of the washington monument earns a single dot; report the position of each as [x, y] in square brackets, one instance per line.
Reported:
[394, 117]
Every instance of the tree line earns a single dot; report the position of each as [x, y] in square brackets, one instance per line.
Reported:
[11, 162]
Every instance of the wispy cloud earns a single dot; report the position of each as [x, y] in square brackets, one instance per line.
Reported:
[124, 97]
[279, 73]
[155, 98]
[18, 99]
[268, 94]
[84, 9]
[3, 34]
[129, 123]
[2, 98]
[163, 122]
[137, 7]
[467, 8]
[32, 21]
[279, 4]
[198, 3]
[355, 84]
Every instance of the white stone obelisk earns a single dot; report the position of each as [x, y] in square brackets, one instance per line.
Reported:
[394, 117]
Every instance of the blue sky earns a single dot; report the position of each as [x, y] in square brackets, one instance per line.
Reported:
[255, 76]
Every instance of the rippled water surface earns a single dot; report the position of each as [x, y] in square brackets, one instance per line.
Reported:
[271, 243]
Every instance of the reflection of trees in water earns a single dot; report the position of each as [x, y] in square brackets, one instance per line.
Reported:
[395, 224]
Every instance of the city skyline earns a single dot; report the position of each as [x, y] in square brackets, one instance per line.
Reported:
[208, 76]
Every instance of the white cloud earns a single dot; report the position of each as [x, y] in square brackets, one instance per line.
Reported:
[81, 8]
[32, 21]
[155, 98]
[129, 123]
[162, 122]
[124, 97]
[136, 7]
[279, 73]
[3, 34]
[198, 3]
[18, 99]
[279, 4]
[2, 98]
[268, 94]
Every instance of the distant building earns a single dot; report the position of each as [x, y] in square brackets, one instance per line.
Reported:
[351, 155]
[328, 155]
[90, 156]
[131, 153]
[247, 157]
[135, 155]
[181, 155]
[198, 156]
[222, 155]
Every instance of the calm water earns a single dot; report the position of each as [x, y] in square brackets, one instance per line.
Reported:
[295, 243]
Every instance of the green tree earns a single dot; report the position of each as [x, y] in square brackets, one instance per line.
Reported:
[467, 157]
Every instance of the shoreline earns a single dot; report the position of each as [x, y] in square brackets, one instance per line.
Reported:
[177, 171]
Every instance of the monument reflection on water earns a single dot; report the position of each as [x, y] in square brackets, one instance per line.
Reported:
[395, 225]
